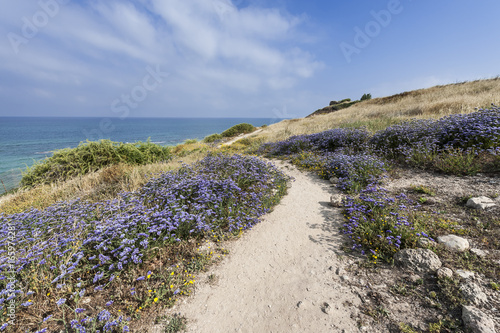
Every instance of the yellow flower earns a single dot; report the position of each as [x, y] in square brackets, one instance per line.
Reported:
[156, 299]
[48, 294]
[149, 290]
[172, 273]
[149, 276]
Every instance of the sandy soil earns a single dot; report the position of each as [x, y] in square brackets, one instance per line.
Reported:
[281, 276]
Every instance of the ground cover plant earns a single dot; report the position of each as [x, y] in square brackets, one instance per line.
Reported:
[91, 156]
[90, 267]
[457, 144]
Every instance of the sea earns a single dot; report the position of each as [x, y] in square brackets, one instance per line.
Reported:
[26, 140]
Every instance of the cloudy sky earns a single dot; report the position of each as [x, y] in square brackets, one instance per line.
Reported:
[239, 58]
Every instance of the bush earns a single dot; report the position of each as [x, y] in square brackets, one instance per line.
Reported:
[92, 156]
[212, 138]
[238, 129]
[366, 97]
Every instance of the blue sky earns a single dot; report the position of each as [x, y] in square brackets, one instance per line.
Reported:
[240, 58]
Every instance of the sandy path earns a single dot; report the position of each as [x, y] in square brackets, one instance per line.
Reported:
[279, 275]
[239, 137]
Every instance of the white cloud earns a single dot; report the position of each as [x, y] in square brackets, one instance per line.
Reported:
[93, 52]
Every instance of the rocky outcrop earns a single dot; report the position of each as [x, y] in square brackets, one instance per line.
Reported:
[444, 272]
[473, 293]
[477, 321]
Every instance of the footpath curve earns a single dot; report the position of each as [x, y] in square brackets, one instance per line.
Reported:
[281, 276]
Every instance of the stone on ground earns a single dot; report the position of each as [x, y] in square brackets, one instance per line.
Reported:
[477, 321]
[419, 260]
[454, 243]
[480, 202]
[473, 293]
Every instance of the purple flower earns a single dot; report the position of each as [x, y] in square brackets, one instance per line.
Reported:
[61, 301]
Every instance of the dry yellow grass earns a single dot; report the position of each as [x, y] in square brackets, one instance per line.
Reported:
[379, 113]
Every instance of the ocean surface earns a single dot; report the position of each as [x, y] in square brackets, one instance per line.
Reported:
[23, 141]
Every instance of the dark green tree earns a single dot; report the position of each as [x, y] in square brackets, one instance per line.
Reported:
[366, 97]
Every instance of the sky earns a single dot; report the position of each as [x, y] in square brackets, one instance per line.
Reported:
[239, 58]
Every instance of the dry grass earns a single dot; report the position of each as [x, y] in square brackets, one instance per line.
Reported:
[379, 113]
[100, 185]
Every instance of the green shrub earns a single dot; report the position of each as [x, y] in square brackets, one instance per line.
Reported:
[190, 141]
[91, 156]
[212, 138]
[366, 97]
[238, 129]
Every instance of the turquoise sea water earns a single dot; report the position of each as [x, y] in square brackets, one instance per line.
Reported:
[26, 140]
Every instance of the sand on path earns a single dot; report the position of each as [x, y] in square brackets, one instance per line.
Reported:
[280, 274]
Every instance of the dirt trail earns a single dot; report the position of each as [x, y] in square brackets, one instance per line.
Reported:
[279, 276]
[239, 137]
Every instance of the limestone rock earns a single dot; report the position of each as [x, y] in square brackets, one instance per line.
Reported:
[465, 274]
[418, 260]
[326, 308]
[478, 252]
[453, 242]
[473, 293]
[477, 321]
[480, 202]
[334, 180]
[444, 272]
[424, 242]
[336, 200]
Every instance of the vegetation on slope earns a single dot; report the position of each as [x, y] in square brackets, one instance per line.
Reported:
[92, 156]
